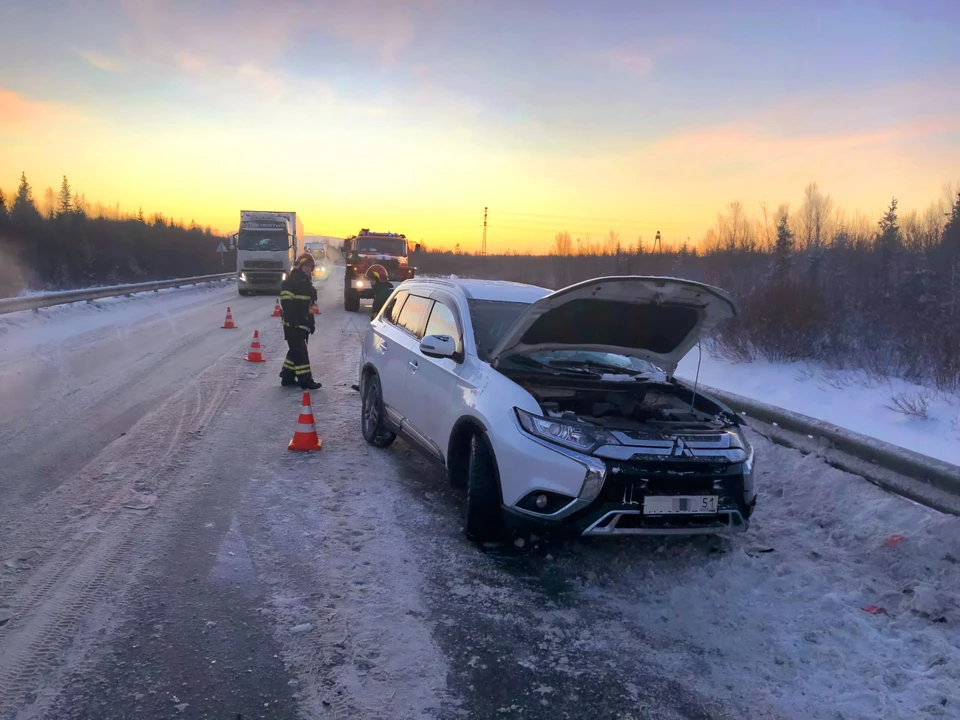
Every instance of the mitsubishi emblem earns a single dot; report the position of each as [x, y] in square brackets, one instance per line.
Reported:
[680, 449]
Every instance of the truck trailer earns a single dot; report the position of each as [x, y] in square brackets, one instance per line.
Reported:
[267, 244]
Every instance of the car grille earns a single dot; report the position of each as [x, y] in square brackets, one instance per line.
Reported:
[264, 264]
[255, 278]
[632, 480]
[392, 266]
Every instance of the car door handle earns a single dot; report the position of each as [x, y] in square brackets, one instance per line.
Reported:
[414, 365]
[382, 348]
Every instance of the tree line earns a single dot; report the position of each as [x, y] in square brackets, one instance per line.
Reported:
[69, 244]
[880, 295]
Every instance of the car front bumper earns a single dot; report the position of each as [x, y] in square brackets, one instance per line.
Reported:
[614, 503]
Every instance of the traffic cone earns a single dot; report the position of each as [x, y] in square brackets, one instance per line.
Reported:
[276, 310]
[305, 439]
[228, 323]
[254, 354]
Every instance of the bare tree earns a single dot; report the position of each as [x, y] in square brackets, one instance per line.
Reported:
[562, 244]
[48, 206]
[814, 217]
[732, 227]
[765, 230]
[610, 243]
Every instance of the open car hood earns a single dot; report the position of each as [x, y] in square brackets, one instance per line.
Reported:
[657, 319]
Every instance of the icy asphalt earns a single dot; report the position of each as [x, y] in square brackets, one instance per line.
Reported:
[162, 555]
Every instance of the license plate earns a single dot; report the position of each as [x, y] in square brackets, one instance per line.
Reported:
[680, 505]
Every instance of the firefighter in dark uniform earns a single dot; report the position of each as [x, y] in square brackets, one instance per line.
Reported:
[382, 287]
[297, 294]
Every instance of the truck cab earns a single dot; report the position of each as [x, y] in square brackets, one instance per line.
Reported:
[266, 245]
[374, 248]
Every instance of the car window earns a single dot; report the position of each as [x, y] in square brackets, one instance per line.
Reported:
[392, 311]
[411, 316]
[491, 319]
[442, 322]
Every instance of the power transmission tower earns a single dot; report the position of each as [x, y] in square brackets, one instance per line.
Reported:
[657, 243]
[483, 247]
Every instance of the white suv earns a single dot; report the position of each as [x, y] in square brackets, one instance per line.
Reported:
[560, 408]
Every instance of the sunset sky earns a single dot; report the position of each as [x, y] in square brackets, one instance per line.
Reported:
[412, 115]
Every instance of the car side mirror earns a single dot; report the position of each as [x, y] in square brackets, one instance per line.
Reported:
[233, 241]
[438, 346]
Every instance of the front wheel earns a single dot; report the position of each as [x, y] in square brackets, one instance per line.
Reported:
[484, 516]
[372, 425]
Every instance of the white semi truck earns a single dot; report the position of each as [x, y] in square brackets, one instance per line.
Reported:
[267, 244]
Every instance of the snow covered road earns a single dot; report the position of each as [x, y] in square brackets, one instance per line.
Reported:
[163, 555]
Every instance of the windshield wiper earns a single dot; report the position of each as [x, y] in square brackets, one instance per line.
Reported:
[584, 364]
[537, 365]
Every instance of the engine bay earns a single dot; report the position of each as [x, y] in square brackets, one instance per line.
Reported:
[644, 405]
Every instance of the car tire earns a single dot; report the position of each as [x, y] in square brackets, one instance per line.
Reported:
[483, 520]
[244, 292]
[371, 415]
[351, 301]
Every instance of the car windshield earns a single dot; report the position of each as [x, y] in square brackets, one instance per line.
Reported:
[594, 359]
[263, 240]
[491, 319]
[382, 246]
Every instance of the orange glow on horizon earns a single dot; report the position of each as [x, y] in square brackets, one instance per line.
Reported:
[345, 167]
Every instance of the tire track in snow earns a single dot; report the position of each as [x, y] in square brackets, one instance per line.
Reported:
[82, 559]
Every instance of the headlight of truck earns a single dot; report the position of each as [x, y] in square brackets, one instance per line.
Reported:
[283, 277]
[577, 436]
[243, 276]
[358, 283]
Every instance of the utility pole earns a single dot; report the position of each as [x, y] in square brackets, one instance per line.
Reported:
[483, 246]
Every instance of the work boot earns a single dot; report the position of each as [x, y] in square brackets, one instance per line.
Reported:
[310, 384]
[288, 382]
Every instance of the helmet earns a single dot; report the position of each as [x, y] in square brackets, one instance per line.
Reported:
[378, 273]
[304, 260]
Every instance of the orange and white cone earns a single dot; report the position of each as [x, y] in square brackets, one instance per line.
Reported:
[276, 310]
[228, 323]
[305, 438]
[254, 354]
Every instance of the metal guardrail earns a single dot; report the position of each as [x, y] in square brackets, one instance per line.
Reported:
[35, 302]
[920, 478]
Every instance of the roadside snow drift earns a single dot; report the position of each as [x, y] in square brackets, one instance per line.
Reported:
[850, 399]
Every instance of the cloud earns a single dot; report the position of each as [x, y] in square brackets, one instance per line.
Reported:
[630, 61]
[211, 32]
[21, 116]
[103, 62]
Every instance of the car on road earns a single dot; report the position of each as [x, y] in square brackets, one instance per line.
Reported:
[561, 409]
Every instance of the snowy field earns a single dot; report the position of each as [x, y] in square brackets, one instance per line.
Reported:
[850, 399]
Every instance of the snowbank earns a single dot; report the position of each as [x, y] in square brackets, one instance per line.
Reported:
[850, 399]
[27, 329]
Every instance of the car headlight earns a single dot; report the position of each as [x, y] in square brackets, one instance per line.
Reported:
[243, 276]
[283, 277]
[577, 436]
[359, 283]
[748, 464]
